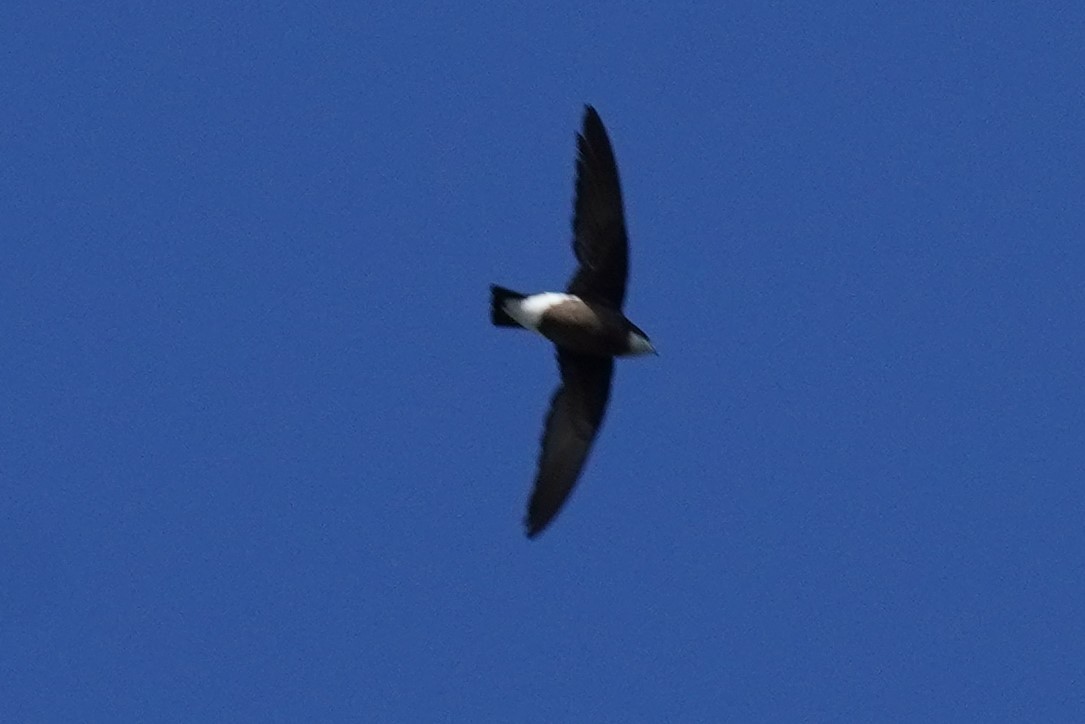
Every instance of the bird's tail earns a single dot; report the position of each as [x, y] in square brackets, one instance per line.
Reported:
[498, 297]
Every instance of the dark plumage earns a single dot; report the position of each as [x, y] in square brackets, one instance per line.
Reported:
[586, 324]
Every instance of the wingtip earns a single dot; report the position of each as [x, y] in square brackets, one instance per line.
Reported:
[593, 132]
[533, 526]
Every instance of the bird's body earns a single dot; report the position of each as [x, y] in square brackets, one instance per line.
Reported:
[585, 323]
[574, 324]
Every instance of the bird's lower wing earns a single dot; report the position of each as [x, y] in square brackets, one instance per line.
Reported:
[576, 412]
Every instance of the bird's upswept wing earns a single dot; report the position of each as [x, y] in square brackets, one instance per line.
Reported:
[599, 236]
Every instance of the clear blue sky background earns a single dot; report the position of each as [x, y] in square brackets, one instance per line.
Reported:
[264, 459]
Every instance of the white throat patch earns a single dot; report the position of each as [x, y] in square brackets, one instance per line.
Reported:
[640, 345]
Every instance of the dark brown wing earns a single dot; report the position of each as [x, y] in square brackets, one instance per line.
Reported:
[576, 412]
[599, 238]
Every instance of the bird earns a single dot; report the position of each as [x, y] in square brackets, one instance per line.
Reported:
[585, 323]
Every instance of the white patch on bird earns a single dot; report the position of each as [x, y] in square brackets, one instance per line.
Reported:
[640, 345]
[528, 312]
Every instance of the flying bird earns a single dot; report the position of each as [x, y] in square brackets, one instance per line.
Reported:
[585, 323]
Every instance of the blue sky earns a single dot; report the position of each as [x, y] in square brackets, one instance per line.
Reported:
[264, 459]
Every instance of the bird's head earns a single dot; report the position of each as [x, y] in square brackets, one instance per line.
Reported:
[639, 343]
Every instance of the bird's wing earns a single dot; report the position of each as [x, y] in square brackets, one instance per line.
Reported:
[599, 237]
[576, 412]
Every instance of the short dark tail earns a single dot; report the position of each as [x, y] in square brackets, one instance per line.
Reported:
[498, 297]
